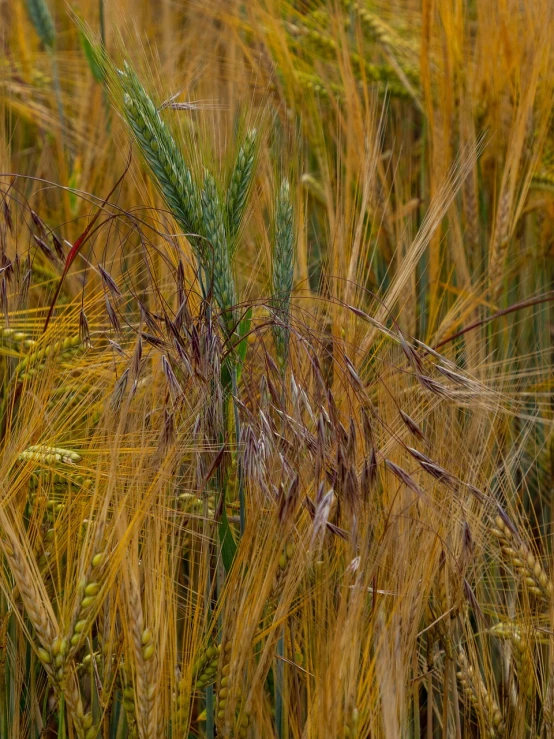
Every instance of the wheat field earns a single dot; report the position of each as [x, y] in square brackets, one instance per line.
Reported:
[276, 358]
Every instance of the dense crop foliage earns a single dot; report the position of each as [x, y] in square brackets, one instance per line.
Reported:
[276, 405]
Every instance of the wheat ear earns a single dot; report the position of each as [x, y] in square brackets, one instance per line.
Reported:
[240, 183]
[41, 19]
[162, 155]
[478, 695]
[283, 270]
[217, 263]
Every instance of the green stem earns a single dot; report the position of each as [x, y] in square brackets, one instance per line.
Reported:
[210, 734]
[207, 604]
[102, 23]
[280, 685]
[61, 722]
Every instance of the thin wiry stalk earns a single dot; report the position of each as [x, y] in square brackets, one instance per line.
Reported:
[238, 439]
[40, 16]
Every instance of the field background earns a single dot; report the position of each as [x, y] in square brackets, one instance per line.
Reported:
[280, 461]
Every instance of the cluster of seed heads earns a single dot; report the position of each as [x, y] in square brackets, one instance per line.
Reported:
[56, 487]
[54, 660]
[478, 695]
[383, 33]
[41, 19]
[284, 560]
[441, 610]
[518, 554]
[521, 650]
[204, 670]
[351, 726]
[217, 267]
[162, 155]
[191, 503]
[36, 360]
[17, 338]
[129, 708]
[60, 482]
[49, 455]
[199, 214]
[89, 588]
[327, 48]
[241, 725]
[85, 663]
[312, 83]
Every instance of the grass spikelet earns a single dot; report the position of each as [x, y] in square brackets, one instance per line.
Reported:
[521, 650]
[312, 83]
[33, 600]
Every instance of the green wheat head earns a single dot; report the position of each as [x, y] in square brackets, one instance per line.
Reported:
[41, 19]
[283, 270]
[217, 261]
[162, 154]
[239, 185]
